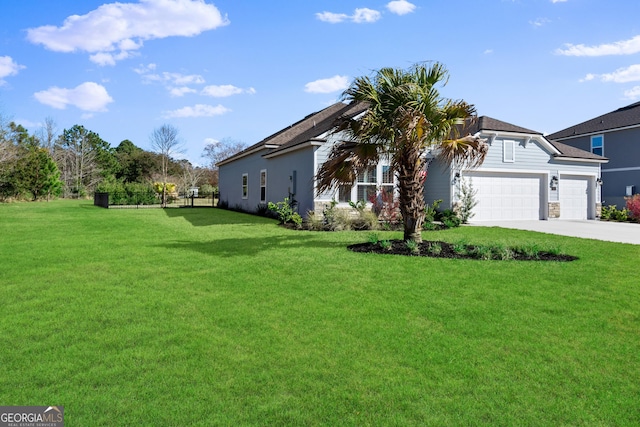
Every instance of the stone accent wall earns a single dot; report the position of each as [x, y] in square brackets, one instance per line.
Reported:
[554, 210]
[598, 210]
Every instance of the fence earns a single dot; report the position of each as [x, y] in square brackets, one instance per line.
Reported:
[124, 199]
[141, 200]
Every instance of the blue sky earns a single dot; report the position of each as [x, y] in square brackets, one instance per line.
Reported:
[245, 69]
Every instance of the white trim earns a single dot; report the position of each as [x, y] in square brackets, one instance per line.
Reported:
[265, 185]
[634, 168]
[581, 135]
[508, 151]
[242, 191]
[255, 150]
[578, 159]
[601, 147]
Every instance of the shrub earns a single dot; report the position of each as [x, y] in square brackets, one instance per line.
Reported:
[385, 244]
[284, 211]
[449, 218]
[611, 213]
[431, 211]
[313, 222]
[435, 248]
[467, 195]
[386, 206]
[633, 206]
[413, 247]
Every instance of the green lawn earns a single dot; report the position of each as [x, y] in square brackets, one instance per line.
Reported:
[207, 317]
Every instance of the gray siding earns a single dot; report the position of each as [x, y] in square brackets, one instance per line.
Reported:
[438, 184]
[622, 148]
[230, 181]
[282, 171]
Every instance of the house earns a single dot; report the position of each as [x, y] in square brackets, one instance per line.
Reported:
[524, 176]
[615, 135]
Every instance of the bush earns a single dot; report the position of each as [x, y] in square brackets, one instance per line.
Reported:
[611, 213]
[285, 213]
[633, 206]
[449, 218]
[467, 196]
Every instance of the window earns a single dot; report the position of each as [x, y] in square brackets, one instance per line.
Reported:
[344, 193]
[366, 184]
[245, 185]
[597, 145]
[508, 151]
[263, 185]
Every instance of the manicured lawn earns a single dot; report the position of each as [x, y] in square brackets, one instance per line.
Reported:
[208, 317]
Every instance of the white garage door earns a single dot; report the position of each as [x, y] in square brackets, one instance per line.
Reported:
[574, 197]
[506, 196]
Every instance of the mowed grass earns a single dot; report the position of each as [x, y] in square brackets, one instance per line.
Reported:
[208, 317]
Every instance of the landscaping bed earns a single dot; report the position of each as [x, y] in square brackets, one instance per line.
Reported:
[439, 249]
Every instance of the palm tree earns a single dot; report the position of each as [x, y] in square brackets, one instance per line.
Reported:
[406, 117]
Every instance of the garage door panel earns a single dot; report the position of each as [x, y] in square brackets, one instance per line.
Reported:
[506, 196]
[574, 197]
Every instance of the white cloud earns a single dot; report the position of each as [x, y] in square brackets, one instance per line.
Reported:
[361, 15]
[365, 15]
[401, 7]
[539, 22]
[198, 110]
[558, 1]
[114, 31]
[624, 47]
[181, 91]
[633, 93]
[222, 91]
[8, 67]
[332, 18]
[488, 51]
[333, 84]
[88, 96]
[621, 75]
[208, 141]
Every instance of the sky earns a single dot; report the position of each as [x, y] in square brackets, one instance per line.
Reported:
[244, 69]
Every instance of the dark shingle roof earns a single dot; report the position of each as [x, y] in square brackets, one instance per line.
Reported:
[622, 117]
[489, 123]
[573, 152]
[311, 126]
[485, 123]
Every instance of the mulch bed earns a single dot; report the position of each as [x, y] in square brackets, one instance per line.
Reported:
[446, 250]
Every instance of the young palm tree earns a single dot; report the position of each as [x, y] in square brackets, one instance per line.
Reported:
[406, 118]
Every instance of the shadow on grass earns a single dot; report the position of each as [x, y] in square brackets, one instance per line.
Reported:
[249, 246]
[202, 217]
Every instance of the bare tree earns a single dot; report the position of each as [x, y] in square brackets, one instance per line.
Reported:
[164, 141]
[217, 151]
[47, 134]
[190, 175]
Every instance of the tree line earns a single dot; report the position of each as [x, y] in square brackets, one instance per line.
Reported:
[76, 162]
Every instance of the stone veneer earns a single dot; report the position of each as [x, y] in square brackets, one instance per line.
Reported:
[554, 210]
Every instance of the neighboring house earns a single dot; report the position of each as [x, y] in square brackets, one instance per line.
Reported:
[615, 135]
[524, 176]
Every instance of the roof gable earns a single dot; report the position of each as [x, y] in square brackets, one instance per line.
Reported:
[311, 126]
[620, 118]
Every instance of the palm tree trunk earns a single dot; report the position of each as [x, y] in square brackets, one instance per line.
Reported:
[411, 195]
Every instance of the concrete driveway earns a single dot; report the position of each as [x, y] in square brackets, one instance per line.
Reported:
[587, 229]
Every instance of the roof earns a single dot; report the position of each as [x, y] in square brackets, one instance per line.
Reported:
[620, 118]
[484, 123]
[304, 130]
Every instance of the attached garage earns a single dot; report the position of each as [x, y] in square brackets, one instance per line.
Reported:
[507, 196]
[574, 192]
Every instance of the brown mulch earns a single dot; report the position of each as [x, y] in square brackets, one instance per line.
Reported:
[446, 250]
